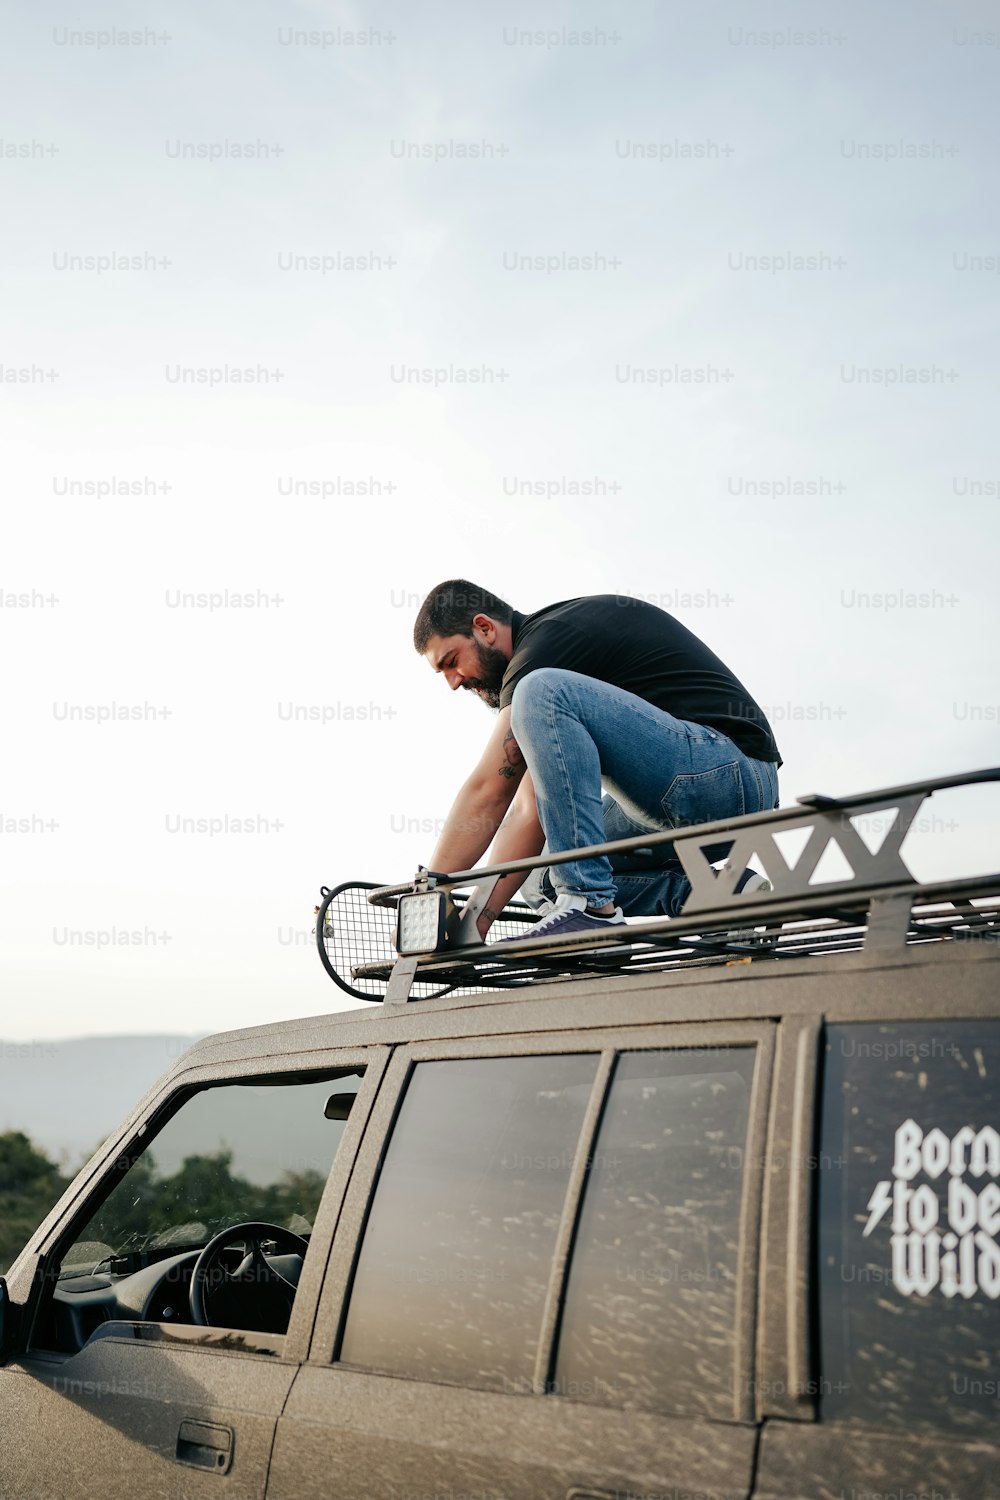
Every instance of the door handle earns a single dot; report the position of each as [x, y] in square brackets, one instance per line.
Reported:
[205, 1446]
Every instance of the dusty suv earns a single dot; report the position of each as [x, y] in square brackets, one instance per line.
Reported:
[714, 1212]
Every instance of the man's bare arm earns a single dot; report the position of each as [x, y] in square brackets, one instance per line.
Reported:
[519, 837]
[479, 808]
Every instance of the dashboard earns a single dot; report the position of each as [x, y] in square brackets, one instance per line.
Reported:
[158, 1293]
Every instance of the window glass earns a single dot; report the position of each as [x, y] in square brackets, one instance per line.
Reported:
[909, 1218]
[455, 1262]
[650, 1307]
[230, 1154]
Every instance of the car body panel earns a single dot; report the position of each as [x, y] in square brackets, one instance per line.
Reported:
[844, 1461]
[376, 1437]
[107, 1421]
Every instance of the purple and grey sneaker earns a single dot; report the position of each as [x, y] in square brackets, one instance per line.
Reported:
[567, 916]
[750, 882]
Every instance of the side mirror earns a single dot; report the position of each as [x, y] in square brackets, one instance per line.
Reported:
[338, 1106]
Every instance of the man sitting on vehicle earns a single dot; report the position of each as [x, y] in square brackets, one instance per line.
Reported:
[602, 688]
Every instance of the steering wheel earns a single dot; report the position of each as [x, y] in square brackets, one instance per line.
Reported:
[255, 1290]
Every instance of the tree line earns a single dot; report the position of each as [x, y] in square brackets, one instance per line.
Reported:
[29, 1186]
[204, 1191]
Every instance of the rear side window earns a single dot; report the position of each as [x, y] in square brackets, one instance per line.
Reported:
[909, 1219]
[650, 1312]
[455, 1262]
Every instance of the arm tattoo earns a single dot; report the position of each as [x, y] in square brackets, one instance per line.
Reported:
[489, 913]
[514, 760]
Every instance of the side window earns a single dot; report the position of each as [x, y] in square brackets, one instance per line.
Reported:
[231, 1154]
[909, 1219]
[650, 1307]
[457, 1252]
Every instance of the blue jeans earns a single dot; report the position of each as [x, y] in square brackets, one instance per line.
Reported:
[661, 772]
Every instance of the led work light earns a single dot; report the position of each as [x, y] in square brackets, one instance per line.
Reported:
[421, 921]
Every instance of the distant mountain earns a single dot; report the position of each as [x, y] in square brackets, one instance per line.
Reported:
[67, 1096]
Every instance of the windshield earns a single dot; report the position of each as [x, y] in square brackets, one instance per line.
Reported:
[230, 1154]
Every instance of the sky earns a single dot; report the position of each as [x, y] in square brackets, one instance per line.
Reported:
[309, 306]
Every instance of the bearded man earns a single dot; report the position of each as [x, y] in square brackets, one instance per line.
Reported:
[600, 689]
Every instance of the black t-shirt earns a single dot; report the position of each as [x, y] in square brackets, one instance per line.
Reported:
[638, 647]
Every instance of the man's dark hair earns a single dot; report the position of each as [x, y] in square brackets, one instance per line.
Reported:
[450, 609]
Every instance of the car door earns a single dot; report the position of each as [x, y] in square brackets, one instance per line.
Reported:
[99, 1403]
[544, 1280]
[898, 1298]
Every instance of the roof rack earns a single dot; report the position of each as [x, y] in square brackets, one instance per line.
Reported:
[879, 905]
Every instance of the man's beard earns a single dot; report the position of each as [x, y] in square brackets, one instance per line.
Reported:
[492, 666]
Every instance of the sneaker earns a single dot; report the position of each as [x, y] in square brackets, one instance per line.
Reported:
[750, 882]
[568, 915]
